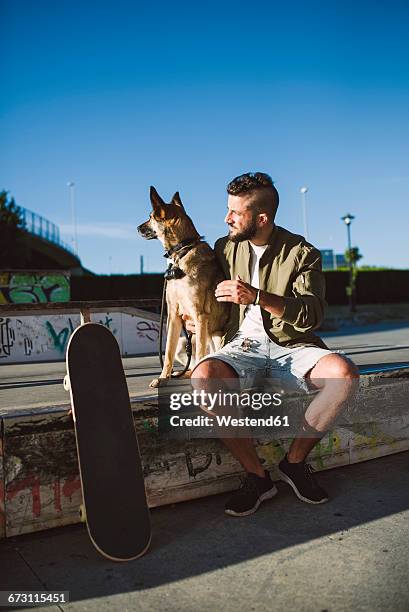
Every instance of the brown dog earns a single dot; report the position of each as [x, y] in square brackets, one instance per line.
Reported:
[195, 274]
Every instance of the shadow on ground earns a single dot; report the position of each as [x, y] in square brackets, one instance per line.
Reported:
[194, 538]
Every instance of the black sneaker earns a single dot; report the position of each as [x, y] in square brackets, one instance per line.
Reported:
[301, 478]
[251, 494]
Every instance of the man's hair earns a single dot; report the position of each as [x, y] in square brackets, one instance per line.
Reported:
[266, 195]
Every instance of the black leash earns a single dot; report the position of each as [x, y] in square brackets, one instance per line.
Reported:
[171, 273]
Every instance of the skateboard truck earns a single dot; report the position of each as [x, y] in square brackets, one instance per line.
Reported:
[85, 314]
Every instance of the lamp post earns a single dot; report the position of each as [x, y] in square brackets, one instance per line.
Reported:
[303, 191]
[71, 186]
[347, 219]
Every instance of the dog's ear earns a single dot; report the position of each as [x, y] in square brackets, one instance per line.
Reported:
[177, 201]
[157, 203]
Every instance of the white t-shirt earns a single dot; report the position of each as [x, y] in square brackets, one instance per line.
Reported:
[252, 325]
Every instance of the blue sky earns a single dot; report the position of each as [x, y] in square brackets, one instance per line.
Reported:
[117, 96]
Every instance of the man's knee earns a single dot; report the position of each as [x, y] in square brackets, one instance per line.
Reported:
[336, 366]
[336, 373]
[213, 368]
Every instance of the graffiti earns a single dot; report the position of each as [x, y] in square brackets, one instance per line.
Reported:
[60, 340]
[34, 338]
[71, 485]
[373, 436]
[156, 468]
[31, 482]
[28, 346]
[194, 471]
[29, 489]
[107, 323]
[147, 329]
[7, 337]
[323, 450]
[34, 288]
[271, 453]
[146, 424]
[57, 495]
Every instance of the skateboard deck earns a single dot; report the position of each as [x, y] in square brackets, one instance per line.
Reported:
[115, 507]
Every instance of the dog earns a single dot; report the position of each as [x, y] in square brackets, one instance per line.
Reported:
[192, 281]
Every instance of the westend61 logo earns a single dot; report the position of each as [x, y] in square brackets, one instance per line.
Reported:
[209, 401]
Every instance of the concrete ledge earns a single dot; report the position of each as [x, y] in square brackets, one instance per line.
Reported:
[40, 486]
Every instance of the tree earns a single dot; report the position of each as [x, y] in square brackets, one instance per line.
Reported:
[14, 252]
[353, 255]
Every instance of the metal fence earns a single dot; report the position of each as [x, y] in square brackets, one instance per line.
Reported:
[39, 226]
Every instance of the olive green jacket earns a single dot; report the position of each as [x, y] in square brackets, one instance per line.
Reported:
[290, 267]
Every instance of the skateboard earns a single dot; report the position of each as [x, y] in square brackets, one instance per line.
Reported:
[113, 490]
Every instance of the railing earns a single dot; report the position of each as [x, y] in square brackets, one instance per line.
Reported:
[39, 226]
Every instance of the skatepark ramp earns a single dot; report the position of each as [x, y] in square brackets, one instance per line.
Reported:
[32, 333]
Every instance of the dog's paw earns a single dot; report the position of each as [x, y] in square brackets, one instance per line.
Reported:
[156, 382]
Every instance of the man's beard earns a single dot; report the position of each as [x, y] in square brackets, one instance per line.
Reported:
[245, 234]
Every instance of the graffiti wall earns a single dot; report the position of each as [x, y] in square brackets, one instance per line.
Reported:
[34, 286]
[45, 337]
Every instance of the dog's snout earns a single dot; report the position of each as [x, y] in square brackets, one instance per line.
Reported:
[146, 231]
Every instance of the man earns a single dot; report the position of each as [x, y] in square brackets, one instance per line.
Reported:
[276, 287]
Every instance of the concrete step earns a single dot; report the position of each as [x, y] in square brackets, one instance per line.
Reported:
[39, 481]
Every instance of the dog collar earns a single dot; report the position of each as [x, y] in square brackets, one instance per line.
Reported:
[188, 242]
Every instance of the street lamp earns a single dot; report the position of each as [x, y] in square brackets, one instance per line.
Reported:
[71, 186]
[303, 191]
[347, 219]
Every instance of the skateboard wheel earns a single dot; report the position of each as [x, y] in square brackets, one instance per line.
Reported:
[83, 514]
[66, 382]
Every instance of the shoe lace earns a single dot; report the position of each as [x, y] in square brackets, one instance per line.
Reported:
[248, 485]
[309, 473]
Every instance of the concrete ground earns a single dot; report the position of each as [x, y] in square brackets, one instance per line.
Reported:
[349, 554]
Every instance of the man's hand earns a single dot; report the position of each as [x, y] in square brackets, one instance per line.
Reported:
[236, 291]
